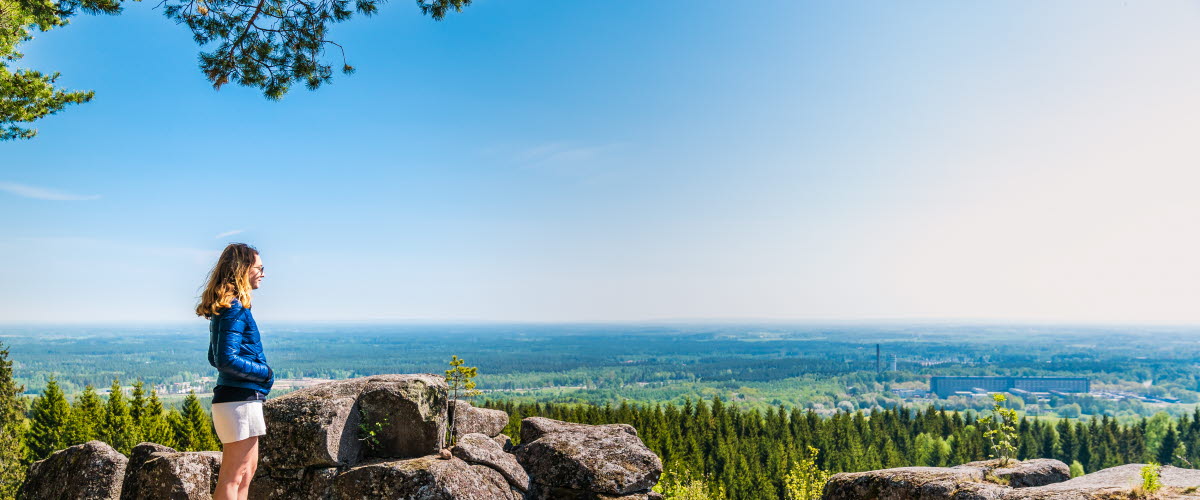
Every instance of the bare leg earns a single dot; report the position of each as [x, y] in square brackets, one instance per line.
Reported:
[239, 460]
[244, 491]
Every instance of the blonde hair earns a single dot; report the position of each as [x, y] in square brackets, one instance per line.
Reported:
[227, 280]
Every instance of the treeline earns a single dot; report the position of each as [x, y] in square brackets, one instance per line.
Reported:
[748, 453]
[54, 424]
[51, 423]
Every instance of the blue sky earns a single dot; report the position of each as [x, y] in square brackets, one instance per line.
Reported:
[582, 161]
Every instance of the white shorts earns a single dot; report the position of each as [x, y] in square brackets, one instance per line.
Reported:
[238, 420]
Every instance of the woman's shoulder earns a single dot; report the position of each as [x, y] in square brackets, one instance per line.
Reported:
[234, 308]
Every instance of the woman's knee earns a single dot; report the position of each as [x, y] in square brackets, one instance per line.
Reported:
[243, 476]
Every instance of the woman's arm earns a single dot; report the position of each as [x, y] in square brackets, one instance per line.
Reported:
[230, 329]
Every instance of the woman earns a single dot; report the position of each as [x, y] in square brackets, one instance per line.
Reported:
[244, 379]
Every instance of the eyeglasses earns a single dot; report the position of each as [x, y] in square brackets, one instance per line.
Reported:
[261, 269]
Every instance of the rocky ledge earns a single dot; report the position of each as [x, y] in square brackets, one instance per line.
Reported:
[312, 450]
[1038, 479]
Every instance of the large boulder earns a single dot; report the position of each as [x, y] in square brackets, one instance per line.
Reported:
[1023, 474]
[303, 484]
[141, 453]
[413, 411]
[174, 475]
[536, 427]
[319, 426]
[924, 483]
[469, 419]
[542, 492]
[607, 459]
[984, 481]
[425, 478]
[1122, 481]
[497, 479]
[482, 450]
[312, 427]
[88, 471]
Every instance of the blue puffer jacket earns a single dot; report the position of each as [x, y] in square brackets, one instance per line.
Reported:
[235, 349]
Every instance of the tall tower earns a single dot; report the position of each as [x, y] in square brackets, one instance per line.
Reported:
[878, 366]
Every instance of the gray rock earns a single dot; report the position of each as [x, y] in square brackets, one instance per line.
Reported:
[505, 442]
[542, 492]
[925, 483]
[425, 478]
[535, 427]
[469, 419]
[88, 471]
[303, 484]
[414, 407]
[313, 427]
[319, 426]
[968, 482]
[137, 460]
[607, 459]
[482, 450]
[1117, 482]
[1023, 474]
[175, 475]
[491, 475]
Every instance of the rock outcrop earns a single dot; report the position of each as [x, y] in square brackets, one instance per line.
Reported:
[482, 450]
[88, 471]
[567, 460]
[318, 426]
[156, 471]
[1038, 479]
[315, 449]
[426, 478]
[470, 420]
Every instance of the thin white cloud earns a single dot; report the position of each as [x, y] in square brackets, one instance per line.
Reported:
[98, 244]
[586, 162]
[558, 153]
[38, 193]
[229, 233]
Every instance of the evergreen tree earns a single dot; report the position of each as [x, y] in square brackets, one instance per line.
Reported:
[200, 424]
[12, 429]
[1166, 451]
[49, 422]
[1068, 446]
[137, 406]
[87, 414]
[155, 427]
[182, 434]
[117, 427]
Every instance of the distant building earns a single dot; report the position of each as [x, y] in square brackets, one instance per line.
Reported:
[945, 387]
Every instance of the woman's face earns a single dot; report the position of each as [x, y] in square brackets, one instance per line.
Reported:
[257, 272]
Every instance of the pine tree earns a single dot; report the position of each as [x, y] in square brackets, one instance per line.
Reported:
[117, 428]
[12, 428]
[137, 406]
[49, 423]
[87, 414]
[155, 427]
[1166, 451]
[182, 434]
[200, 423]
[1068, 447]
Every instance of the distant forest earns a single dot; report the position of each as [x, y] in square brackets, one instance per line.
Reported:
[819, 368]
